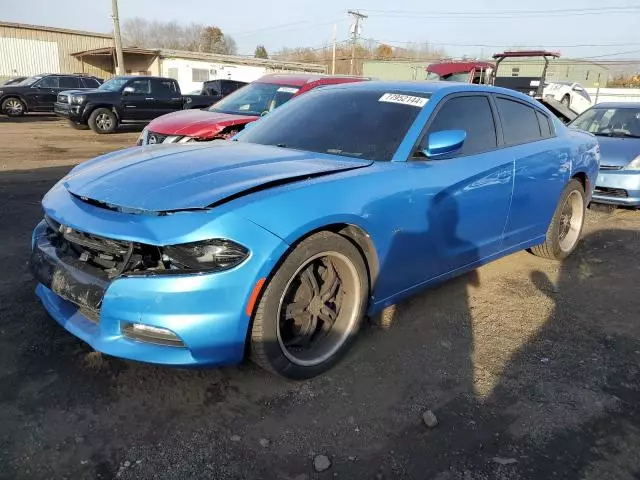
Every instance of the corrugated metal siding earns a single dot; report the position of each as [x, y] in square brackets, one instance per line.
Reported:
[31, 58]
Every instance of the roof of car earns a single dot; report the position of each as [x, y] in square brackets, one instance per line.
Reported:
[142, 77]
[298, 79]
[617, 105]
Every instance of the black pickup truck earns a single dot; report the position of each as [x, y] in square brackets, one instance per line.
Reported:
[38, 93]
[125, 100]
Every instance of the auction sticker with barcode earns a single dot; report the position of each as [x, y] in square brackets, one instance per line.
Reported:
[404, 99]
[288, 90]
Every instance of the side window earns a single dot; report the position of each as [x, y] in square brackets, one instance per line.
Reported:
[545, 126]
[69, 82]
[90, 83]
[519, 122]
[140, 87]
[163, 87]
[49, 82]
[471, 114]
[228, 87]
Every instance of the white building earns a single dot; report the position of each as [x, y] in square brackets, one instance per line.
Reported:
[190, 69]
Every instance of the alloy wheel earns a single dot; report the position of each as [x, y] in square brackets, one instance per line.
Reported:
[318, 309]
[571, 218]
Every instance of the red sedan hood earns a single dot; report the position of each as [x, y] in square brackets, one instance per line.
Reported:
[197, 123]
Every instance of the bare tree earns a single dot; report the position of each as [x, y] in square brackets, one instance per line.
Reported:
[139, 32]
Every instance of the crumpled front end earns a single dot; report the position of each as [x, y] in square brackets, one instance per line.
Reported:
[105, 285]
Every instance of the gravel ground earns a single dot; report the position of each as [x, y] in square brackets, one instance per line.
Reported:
[530, 368]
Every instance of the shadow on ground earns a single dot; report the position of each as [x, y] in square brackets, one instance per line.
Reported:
[531, 368]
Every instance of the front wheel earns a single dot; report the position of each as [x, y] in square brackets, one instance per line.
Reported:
[563, 234]
[13, 107]
[103, 120]
[311, 309]
[566, 101]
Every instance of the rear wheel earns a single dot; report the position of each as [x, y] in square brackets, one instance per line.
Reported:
[563, 234]
[103, 120]
[13, 107]
[312, 308]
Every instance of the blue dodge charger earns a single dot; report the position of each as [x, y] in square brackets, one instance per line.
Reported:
[278, 244]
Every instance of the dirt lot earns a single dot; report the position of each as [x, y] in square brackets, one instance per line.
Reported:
[532, 369]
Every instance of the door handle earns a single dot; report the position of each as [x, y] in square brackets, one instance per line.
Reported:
[149, 98]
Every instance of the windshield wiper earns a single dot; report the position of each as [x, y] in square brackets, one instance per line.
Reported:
[337, 151]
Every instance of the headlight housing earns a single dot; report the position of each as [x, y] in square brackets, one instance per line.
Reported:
[205, 256]
[78, 100]
[634, 165]
[144, 134]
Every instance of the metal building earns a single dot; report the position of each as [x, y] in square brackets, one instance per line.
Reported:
[31, 49]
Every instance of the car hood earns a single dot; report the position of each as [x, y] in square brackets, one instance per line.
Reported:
[197, 123]
[179, 177]
[618, 151]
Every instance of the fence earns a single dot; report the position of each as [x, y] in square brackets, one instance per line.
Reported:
[599, 95]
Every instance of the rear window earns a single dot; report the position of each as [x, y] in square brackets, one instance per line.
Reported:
[545, 127]
[519, 122]
[362, 124]
[90, 83]
[69, 82]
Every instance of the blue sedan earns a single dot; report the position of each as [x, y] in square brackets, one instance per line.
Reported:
[278, 245]
[617, 126]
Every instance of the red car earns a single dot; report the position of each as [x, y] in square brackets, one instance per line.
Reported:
[230, 115]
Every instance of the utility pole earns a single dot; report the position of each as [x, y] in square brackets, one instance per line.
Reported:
[354, 40]
[333, 58]
[116, 36]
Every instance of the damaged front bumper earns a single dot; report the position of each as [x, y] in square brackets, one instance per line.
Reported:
[201, 317]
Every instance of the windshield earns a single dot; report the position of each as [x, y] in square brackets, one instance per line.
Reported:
[352, 123]
[28, 81]
[610, 122]
[113, 85]
[255, 99]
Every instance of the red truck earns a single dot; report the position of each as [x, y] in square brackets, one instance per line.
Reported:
[230, 115]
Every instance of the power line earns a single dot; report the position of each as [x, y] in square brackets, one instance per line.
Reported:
[507, 13]
[286, 26]
[497, 45]
[356, 32]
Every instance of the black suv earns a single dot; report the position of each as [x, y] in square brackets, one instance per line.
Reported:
[39, 93]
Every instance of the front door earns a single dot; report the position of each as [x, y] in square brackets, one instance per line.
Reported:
[138, 105]
[460, 204]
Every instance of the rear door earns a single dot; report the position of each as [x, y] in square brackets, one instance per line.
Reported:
[167, 97]
[542, 166]
[138, 105]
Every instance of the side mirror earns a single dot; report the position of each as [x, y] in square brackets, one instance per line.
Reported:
[128, 90]
[444, 143]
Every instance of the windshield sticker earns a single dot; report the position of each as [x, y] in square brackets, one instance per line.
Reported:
[288, 90]
[404, 99]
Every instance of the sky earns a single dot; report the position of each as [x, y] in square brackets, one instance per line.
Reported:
[584, 28]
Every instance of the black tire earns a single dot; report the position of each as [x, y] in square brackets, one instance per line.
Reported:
[566, 101]
[13, 107]
[78, 126]
[103, 120]
[552, 247]
[271, 331]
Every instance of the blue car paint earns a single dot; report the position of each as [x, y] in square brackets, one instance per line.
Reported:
[426, 220]
[619, 152]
